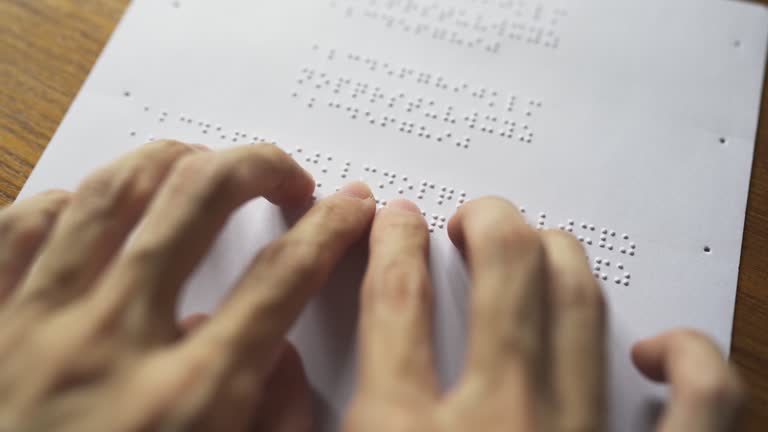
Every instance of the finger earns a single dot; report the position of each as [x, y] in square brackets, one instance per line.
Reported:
[23, 229]
[286, 405]
[396, 308]
[281, 280]
[506, 336]
[578, 335]
[182, 223]
[94, 226]
[706, 392]
[192, 323]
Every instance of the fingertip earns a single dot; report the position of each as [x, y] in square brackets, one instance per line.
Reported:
[192, 323]
[356, 189]
[646, 358]
[404, 206]
[296, 191]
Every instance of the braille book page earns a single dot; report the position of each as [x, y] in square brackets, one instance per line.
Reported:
[630, 124]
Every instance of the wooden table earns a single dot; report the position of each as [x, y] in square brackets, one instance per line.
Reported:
[47, 48]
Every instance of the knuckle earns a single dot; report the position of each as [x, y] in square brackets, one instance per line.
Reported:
[259, 159]
[270, 152]
[167, 146]
[572, 291]
[97, 195]
[336, 216]
[712, 388]
[573, 284]
[29, 230]
[566, 242]
[25, 226]
[409, 227]
[518, 237]
[194, 175]
[715, 385]
[404, 278]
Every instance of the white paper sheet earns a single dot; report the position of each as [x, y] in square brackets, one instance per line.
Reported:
[630, 123]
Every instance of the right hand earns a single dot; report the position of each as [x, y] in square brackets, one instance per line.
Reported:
[535, 359]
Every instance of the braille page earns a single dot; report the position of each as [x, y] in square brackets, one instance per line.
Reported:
[630, 124]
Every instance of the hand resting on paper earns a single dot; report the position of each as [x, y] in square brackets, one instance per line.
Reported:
[90, 342]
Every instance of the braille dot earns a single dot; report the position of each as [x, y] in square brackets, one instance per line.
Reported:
[627, 276]
[604, 277]
[419, 196]
[604, 231]
[607, 263]
[633, 246]
[598, 260]
[596, 268]
[623, 250]
[620, 266]
[625, 236]
[631, 253]
[602, 244]
[133, 133]
[626, 283]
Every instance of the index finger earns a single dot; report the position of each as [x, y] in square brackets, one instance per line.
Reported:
[249, 328]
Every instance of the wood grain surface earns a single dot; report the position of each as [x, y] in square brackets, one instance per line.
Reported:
[47, 48]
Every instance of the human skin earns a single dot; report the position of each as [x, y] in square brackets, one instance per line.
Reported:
[90, 279]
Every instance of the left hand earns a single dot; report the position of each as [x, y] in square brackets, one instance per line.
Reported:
[89, 283]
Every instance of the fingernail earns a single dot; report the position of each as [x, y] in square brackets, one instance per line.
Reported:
[356, 190]
[404, 205]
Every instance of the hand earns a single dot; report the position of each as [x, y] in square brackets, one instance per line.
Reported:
[535, 359]
[89, 339]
